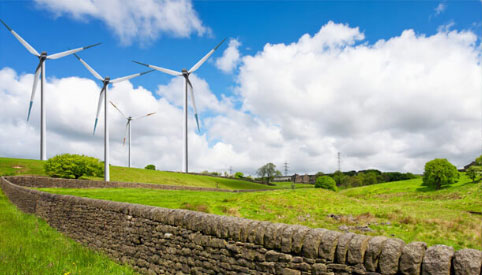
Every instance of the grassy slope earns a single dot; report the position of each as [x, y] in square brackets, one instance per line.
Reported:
[9, 166]
[414, 214]
[28, 245]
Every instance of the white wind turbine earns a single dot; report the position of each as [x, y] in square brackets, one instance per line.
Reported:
[41, 70]
[128, 128]
[185, 73]
[106, 81]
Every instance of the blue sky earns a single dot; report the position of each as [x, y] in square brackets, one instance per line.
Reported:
[254, 23]
[309, 79]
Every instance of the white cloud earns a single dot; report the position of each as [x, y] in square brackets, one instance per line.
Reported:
[230, 58]
[391, 105]
[134, 19]
[440, 8]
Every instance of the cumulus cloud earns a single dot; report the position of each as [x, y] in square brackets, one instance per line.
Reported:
[230, 58]
[135, 19]
[391, 105]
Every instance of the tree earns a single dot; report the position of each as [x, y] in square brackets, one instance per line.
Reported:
[267, 171]
[325, 182]
[277, 173]
[473, 171]
[150, 167]
[338, 176]
[439, 172]
[238, 175]
[73, 166]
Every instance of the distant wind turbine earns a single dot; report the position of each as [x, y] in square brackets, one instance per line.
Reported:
[106, 81]
[128, 128]
[185, 73]
[41, 70]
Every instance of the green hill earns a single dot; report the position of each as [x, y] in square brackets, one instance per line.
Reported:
[11, 167]
[403, 209]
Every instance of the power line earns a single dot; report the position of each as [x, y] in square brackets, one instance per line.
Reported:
[286, 168]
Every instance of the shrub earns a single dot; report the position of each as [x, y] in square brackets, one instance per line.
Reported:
[439, 172]
[73, 166]
[150, 167]
[238, 175]
[325, 182]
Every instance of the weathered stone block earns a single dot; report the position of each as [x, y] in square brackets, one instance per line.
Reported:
[298, 239]
[437, 260]
[390, 256]
[328, 244]
[373, 252]
[342, 247]
[468, 262]
[356, 249]
[411, 259]
[287, 238]
[312, 242]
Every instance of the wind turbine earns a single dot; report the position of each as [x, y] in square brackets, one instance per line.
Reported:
[106, 81]
[185, 73]
[128, 128]
[41, 70]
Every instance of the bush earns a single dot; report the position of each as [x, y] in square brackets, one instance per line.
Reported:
[72, 166]
[325, 182]
[150, 167]
[238, 175]
[439, 172]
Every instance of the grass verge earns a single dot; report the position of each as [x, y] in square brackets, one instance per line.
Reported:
[28, 245]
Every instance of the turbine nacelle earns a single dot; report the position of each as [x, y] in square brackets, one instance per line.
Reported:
[185, 72]
[106, 80]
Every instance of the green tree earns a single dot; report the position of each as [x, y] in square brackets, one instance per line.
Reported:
[473, 171]
[267, 171]
[439, 172]
[325, 182]
[238, 175]
[339, 177]
[150, 167]
[73, 166]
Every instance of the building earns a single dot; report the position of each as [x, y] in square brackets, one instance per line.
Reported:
[306, 179]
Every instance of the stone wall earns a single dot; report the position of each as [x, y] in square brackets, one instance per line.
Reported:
[158, 240]
[46, 182]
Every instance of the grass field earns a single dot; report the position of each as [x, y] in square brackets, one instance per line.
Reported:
[9, 166]
[28, 245]
[402, 209]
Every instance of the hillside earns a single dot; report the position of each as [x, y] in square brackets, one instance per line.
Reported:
[11, 167]
[403, 209]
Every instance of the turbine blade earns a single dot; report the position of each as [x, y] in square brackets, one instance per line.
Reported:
[118, 109]
[149, 114]
[62, 54]
[164, 70]
[125, 135]
[200, 62]
[92, 71]
[120, 79]
[99, 105]
[191, 90]
[20, 39]
[34, 88]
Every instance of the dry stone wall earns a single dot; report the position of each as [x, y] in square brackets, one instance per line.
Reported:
[46, 182]
[170, 241]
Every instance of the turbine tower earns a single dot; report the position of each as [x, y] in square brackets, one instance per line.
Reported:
[185, 73]
[103, 96]
[41, 70]
[128, 129]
